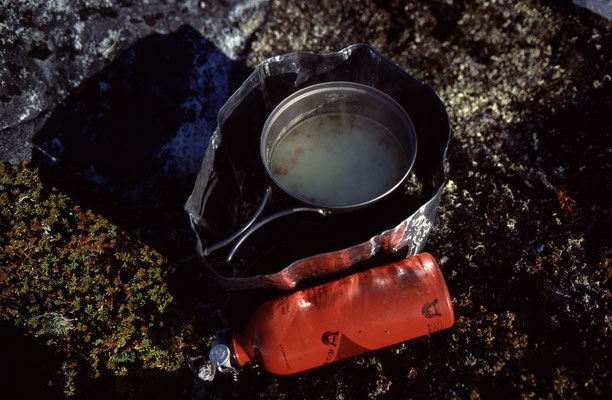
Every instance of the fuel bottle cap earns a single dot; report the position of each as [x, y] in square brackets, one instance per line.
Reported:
[220, 355]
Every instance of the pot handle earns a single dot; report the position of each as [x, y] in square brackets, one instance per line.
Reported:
[270, 218]
[246, 226]
[250, 226]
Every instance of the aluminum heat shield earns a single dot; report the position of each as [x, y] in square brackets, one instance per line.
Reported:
[232, 179]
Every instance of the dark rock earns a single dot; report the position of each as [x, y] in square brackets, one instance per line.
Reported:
[132, 137]
[47, 49]
[601, 7]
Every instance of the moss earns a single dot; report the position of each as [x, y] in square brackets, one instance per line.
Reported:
[96, 296]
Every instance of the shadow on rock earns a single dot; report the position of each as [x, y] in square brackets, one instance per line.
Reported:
[129, 142]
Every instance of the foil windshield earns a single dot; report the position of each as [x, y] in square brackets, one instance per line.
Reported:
[232, 180]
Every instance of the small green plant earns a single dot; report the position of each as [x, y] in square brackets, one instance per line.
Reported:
[93, 294]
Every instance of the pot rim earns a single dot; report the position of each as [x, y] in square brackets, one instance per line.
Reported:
[330, 87]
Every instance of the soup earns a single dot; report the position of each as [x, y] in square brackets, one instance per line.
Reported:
[338, 160]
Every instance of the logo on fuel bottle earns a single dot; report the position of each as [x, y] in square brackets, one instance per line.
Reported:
[431, 309]
[330, 338]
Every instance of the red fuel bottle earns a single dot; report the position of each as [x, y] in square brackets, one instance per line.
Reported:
[366, 311]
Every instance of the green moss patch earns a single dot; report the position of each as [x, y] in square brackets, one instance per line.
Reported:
[96, 297]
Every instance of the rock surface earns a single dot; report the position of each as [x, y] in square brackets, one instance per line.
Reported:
[48, 49]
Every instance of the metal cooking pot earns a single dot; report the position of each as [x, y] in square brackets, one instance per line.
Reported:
[321, 100]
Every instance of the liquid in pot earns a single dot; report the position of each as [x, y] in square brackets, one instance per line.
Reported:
[338, 160]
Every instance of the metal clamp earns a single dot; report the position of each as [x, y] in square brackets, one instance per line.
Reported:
[220, 356]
